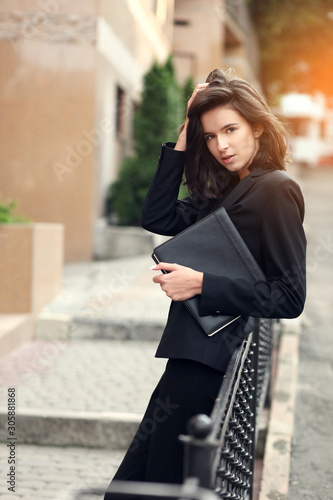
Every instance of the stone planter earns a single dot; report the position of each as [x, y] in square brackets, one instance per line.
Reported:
[31, 261]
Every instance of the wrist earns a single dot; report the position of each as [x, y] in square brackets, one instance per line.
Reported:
[199, 282]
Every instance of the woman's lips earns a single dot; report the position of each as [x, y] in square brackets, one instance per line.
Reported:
[227, 159]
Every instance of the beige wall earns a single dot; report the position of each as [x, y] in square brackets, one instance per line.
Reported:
[61, 62]
[47, 101]
[199, 44]
[146, 34]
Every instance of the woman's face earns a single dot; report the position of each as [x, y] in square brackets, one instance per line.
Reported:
[231, 139]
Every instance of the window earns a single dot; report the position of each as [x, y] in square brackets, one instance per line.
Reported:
[120, 111]
[181, 22]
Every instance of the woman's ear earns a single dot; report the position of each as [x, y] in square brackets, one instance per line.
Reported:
[258, 129]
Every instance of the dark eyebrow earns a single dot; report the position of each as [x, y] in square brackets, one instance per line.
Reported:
[223, 128]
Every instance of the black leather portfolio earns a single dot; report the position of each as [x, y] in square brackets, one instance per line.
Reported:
[212, 245]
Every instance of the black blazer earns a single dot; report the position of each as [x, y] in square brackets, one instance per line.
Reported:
[267, 209]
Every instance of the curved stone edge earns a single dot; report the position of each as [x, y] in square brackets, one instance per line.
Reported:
[278, 448]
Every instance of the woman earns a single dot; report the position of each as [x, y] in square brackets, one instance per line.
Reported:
[231, 147]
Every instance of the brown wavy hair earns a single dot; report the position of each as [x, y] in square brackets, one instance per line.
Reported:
[205, 176]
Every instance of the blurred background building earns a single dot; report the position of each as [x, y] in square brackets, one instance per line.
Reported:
[310, 119]
[71, 76]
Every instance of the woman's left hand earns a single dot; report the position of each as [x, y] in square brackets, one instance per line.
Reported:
[180, 283]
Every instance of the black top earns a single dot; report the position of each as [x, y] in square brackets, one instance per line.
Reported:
[267, 209]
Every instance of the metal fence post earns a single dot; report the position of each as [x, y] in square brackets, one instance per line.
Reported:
[199, 452]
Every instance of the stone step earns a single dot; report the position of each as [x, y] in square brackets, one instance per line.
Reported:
[78, 392]
[60, 326]
[107, 430]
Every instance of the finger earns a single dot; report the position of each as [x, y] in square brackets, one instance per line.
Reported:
[157, 279]
[165, 266]
[154, 267]
[201, 86]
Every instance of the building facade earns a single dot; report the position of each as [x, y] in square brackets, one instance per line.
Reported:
[71, 75]
[214, 34]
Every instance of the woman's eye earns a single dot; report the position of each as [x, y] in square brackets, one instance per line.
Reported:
[209, 137]
[230, 129]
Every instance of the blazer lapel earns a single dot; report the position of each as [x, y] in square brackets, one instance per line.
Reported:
[235, 194]
[242, 187]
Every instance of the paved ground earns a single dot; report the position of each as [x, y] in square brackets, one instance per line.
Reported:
[53, 472]
[312, 457]
[81, 375]
[74, 369]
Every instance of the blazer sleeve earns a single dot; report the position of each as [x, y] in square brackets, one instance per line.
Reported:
[162, 212]
[283, 293]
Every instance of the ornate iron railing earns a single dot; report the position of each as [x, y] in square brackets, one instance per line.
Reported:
[264, 340]
[219, 449]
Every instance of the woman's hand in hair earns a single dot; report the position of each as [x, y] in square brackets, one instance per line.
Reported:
[180, 282]
[181, 143]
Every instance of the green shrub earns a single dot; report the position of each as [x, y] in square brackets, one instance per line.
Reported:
[127, 194]
[7, 215]
[157, 119]
[160, 111]
[187, 91]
